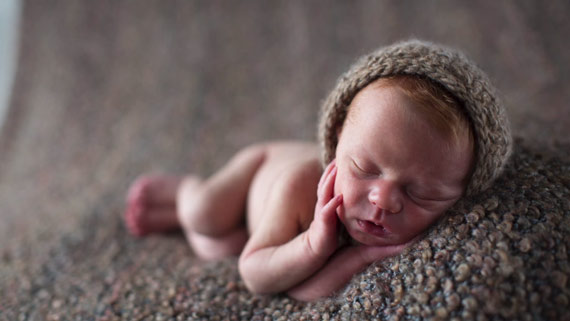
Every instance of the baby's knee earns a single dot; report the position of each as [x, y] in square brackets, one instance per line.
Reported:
[196, 207]
[190, 202]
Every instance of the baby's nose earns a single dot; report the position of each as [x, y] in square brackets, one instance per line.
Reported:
[385, 195]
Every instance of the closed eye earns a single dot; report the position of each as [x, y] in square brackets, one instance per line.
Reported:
[430, 198]
[362, 169]
[355, 164]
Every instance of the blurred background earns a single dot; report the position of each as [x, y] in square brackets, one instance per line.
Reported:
[101, 91]
[94, 93]
[9, 22]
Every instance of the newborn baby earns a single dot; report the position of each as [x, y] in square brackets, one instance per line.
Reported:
[408, 131]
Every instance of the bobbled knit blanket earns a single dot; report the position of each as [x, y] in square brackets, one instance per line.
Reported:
[503, 255]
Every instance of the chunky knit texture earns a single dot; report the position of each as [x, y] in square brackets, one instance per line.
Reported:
[445, 66]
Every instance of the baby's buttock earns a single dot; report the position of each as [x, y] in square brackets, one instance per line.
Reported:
[281, 160]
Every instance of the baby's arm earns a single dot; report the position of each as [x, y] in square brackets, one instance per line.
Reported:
[277, 257]
[339, 270]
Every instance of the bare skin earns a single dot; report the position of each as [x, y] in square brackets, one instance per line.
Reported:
[287, 241]
[151, 205]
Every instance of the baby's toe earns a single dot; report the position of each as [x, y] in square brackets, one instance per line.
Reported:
[134, 221]
[138, 190]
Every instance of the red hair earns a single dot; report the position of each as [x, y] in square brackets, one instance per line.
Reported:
[435, 104]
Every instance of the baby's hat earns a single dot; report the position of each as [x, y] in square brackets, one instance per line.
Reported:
[445, 66]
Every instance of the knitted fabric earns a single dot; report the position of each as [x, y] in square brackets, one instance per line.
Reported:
[445, 66]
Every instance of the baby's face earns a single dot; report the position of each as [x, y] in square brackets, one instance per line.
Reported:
[396, 173]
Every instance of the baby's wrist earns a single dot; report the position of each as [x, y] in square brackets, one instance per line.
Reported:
[319, 248]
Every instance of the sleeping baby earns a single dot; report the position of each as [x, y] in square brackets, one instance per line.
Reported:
[407, 131]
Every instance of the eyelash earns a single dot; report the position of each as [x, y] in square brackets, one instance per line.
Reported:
[421, 199]
[421, 202]
[417, 198]
[361, 170]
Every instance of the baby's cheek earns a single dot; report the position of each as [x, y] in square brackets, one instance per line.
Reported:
[350, 207]
[432, 218]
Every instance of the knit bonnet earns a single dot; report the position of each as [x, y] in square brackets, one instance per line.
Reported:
[446, 67]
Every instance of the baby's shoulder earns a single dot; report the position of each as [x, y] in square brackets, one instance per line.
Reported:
[295, 170]
[296, 191]
[285, 187]
[301, 177]
[294, 167]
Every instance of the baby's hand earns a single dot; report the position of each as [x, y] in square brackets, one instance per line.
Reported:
[322, 234]
[369, 254]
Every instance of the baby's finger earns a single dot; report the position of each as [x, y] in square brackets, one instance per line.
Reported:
[328, 211]
[323, 230]
[328, 185]
[326, 172]
[326, 190]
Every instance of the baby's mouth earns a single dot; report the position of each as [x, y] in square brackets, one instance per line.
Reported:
[370, 227]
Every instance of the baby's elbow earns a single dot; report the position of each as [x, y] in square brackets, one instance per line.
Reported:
[304, 296]
[309, 292]
[249, 272]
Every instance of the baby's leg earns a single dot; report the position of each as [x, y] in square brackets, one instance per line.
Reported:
[151, 205]
[212, 212]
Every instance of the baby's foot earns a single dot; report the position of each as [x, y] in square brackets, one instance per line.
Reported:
[151, 205]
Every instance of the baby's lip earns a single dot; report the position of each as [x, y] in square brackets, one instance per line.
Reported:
[373, 228]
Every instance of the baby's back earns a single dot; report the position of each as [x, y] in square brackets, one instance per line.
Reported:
[289, 175]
